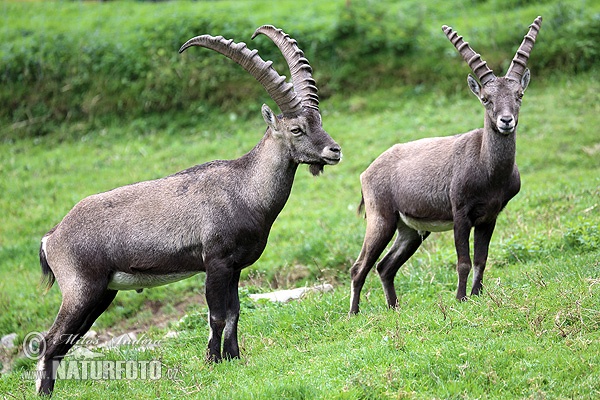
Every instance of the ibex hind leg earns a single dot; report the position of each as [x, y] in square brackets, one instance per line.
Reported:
[407, 242]
[104, 301]
[78, 311]
[380, 230]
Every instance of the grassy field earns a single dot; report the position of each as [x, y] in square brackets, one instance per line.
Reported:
[534, 333]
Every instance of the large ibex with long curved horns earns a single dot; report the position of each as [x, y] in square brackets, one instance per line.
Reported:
[213, 217]
[457, 182]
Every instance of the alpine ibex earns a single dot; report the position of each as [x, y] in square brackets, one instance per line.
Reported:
[214, 217]
[437, 184]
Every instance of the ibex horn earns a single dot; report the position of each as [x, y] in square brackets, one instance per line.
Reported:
[281, 92]
[519, 62]
[300, 69]
[473, 59]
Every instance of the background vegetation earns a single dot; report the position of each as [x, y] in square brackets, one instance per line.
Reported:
[87, 61]
[94, 96]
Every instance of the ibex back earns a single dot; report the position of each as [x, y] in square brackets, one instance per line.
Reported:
[437, 184]
[213, 217]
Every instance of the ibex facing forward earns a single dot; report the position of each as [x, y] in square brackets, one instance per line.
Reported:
[213, 217]
[437, 184]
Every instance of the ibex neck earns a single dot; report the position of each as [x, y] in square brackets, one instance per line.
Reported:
[271, 174]
[498, 152]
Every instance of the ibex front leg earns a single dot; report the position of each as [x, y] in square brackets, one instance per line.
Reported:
[230, 339]
[462, 231]
[218, 279]
[483, 235]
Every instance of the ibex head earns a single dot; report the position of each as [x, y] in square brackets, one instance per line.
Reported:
[501, 96]
[299, 125]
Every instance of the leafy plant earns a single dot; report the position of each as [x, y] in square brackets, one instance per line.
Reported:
[120, 59]
[585, 236]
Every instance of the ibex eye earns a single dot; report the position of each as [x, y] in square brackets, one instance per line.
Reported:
[296, 131]
[485, 100]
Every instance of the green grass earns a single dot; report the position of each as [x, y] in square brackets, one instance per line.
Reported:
[534, 333]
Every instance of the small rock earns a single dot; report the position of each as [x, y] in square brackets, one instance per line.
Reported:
[8, 341]
[122, 340]
[91, 335]
[81, 353]
[283, 296]
[171, 334]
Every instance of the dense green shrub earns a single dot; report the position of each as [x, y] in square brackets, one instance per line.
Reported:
[585, 236]
[95, 60]
[572, 38]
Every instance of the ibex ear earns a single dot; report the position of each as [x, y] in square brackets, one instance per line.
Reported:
[270, 118]
[474, 85]
[525, 79]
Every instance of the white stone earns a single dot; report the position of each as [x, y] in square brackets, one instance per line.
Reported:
[121, 340]
[171, 334]
[80, 353]
[8, 341]
[283, 296]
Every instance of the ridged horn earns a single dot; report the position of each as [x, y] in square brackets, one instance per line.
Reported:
[300, 69]
[473, 59]
[281, 92]
[519, 62]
